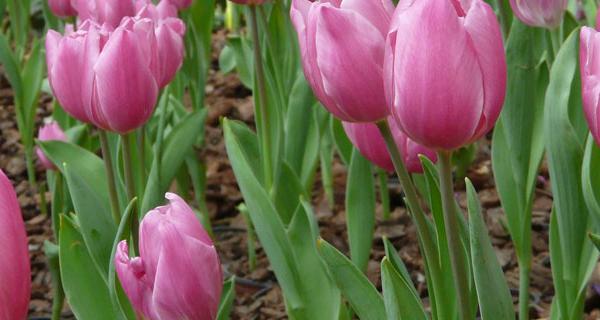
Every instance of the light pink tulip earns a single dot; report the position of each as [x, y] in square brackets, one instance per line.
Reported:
[62, 8]
[369, 141]
[445, 71]
[49, 132]
[178, 273]
[342, 46]
[540, 13]
[109, 79]
[15, 274]
[589, 61]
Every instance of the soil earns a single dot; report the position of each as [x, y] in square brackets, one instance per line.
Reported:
[257, 294]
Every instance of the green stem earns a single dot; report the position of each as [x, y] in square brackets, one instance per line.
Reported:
[110, 175]
[130, 186]
[384, 193]
[262, 109]
[524, 270]
[43, 202]
[555, 39]
[58, 301]
[455, 247]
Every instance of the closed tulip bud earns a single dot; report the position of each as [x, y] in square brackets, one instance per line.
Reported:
[540, 13]
[446, 85]
[15, 274]
[178, 273]
[107, 78]
[589, 60]
[49, 132]
[369, 141]
[62, 8]
[342, 45]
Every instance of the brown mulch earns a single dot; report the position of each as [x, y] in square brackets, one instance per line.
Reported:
[257, 293]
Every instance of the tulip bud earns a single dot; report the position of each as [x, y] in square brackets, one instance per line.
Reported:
[62, 8]
[540, 13]
[178, 273]
[369, 141]
[446, 85]
[589, 60]
[15, 274]
[104, 77]
[49, 132]
[342, 46]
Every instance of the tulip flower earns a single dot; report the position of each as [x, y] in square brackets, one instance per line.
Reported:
[104, 77]
[15, 274]
[342, 47]
[110, 12]
[62, 8]
[445, 71]
[589, 60]
[49, 132]
[540, 13]
[367, 138]
[178, 273]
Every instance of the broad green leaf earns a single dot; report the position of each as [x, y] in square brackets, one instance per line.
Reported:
[487, 272]
[360, 209]
[227, 296]
[86, 290]
[269, 227]
[320, 295]
[85, 176]
[175, 148]
[401, 302]
[394, 259]
[287, 192]
[354, 285]
[242, 51]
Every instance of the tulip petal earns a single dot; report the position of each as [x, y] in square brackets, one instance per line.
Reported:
[378, 12]
[352, 78]
[170, 52]
[369, 141]
[180, 292]
[134, 280]
[15, 274]
[484, 29]
[438, 99]
[126, 87]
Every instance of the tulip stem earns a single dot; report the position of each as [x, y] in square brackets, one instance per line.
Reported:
[262, 109]
[384, 193]
[524, 270]
[110, 176]
[130, 185]
[455, 247]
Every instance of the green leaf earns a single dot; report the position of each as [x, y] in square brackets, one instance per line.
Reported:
[343, 144]
[595, 239]
[32, 76]
[227, 296]
[85, 289]
[268, 225]
[11, 67]
[394, 259]
[174, 150]
[360, 209]
[287, 192]
[401, 302]
[487, 272]
[590, 177]
[84, 173]
[354, 285]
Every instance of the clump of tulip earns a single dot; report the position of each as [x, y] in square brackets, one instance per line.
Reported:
[368, 140]
[49, 132]
[15, 274]
[178, 273]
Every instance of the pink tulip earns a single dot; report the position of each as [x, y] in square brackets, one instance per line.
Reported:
[15, 274]
[49, 132]
[178, 273]
[589, 60]
[369, 141]
[110, 12]
[109, 79]
[62, 8]
[445, 71]
[540, 13]
[342, 46]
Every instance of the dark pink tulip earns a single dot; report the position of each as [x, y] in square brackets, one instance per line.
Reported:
[49, 132]
[178, 273]
[540, 13]
[445, 71]
[369, 141]
[589, 60]
[342, 45]
[62, 8]
[15, 274]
